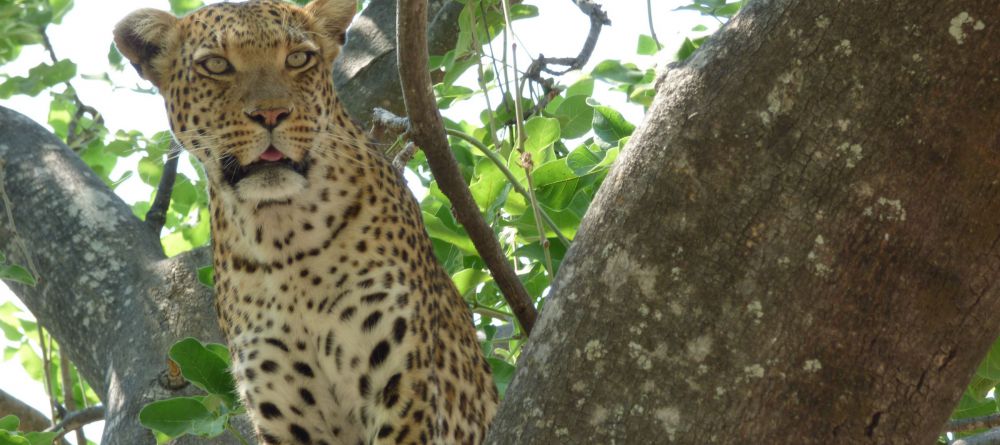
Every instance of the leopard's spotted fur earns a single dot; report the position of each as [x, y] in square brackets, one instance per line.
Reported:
[344, 328]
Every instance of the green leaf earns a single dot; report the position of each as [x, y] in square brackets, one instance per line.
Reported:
[181, 7]
[582, 87]
[11, 333]
[10, 438]
[687, 48]
[40, 438]
[466, 280]
[115, 58]
[17, 274]
[59, 9]
[175, 243]
[613, 70]
[206, 276]
[583, 160]
[490, 187]
[971, 406]
[9, 422]
[522, 11]
[540, 133]
[609, 124]
[204, 368]
[183, 415]
[989, 368]
[150, 168]
[503, 373]
[647, 46]
[441, 226]
[221, 351]
[39, 78]
[575, 116]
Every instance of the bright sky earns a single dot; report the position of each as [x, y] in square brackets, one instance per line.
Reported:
[85, 36]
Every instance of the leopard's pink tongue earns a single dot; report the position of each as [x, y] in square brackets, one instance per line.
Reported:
[271, 154]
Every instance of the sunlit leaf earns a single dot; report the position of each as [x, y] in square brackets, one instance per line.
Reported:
[647, 46]
[204, 368]
[16, 274]
[179, 416]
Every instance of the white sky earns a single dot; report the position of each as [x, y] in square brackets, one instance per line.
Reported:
[85, 36]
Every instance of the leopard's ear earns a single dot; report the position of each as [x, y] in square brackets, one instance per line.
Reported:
[333, 17]
[142, 36]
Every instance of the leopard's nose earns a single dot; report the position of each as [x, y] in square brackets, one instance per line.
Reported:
[269, 117]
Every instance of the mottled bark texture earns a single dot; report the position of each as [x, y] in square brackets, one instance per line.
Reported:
[105, 290]
[107, 293]
[799, 244]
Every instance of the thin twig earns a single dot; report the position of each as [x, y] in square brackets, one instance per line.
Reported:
[652, 29]
[526, 162]
[81, 108]
[492, 313]
[78, 419]
[67, 386]
[427, 131]
[973, 423]
[46, 371]
[156, 216]
[598, 19]
[989, 437]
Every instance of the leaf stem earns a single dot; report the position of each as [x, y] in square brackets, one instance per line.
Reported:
[490, 312]
[499, 162]
[526, 161]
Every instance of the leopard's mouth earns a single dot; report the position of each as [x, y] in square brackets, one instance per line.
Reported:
[269, 161]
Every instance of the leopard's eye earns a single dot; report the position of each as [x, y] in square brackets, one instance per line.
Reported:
[216, 65]
[298, 59]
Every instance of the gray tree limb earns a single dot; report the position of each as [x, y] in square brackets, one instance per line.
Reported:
[105, 290]
[796, 243]
[31, 418]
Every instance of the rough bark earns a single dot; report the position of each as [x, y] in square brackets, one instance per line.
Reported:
[106, 292]
[798, 245]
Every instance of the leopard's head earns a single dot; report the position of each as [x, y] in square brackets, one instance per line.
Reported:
[247, 86]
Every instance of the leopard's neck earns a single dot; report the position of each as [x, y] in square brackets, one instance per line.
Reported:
[348, 181]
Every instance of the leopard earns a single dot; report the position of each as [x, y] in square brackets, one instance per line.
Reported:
[342, 325]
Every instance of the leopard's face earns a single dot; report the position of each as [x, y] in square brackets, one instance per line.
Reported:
[247, 87]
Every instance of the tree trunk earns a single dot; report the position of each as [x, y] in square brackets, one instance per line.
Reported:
[798, 245]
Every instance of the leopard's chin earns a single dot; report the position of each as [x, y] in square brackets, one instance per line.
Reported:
[266, 182]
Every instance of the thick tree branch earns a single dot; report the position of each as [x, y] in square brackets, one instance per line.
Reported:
[427, 131]
[105, 291]
[31, 419]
